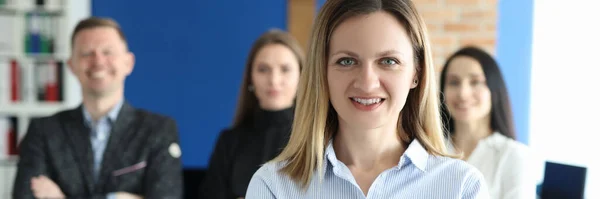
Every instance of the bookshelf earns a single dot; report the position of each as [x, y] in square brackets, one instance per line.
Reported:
[34, 78]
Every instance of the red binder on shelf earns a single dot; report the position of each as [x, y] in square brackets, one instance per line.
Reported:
[52, 83]
[49, 81]
[4, 126]
[8, 136]
[12, 137]
[15, 81]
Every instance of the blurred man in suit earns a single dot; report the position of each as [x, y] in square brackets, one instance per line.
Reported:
[105, 148]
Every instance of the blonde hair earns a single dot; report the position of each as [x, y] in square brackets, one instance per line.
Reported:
[247, 100]
[315, 120]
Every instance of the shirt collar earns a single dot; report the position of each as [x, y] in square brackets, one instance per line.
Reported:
[111, 116]
[330, 154]
[415, 153]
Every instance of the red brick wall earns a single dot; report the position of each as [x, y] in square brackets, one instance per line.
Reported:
[301, 14]
[451, 24]
[456, 23]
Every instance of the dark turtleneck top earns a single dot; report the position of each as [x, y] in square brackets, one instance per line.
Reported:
[241, 150]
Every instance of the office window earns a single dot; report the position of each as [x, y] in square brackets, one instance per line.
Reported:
[565, 85]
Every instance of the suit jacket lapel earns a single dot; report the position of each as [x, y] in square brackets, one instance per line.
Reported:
[79, 138]
[119, 133]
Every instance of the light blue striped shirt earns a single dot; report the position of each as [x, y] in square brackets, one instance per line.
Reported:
[417, 175]
[100, 132]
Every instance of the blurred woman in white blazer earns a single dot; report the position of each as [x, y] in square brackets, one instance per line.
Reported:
[478, 118]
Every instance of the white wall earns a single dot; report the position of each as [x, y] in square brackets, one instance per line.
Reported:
[565, 85]
[77, 10]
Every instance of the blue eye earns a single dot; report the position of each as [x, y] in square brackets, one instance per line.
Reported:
[346, 62]
[389, 61]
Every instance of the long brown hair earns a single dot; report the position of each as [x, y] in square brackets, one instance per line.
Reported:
[315, 120]
[247, 100]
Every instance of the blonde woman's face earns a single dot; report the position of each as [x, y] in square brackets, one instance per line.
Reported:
[370, 70]
[275, 74]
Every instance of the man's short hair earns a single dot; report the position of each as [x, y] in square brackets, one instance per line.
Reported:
[97, 22]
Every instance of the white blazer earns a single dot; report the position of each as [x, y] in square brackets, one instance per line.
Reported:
[510, 169]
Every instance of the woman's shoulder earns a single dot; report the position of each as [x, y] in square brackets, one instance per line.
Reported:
[499, 141]
[453, 167]
[458, 175]
[442, 168]
[270, 182]
[519, 158]
[271, 170]
[237, 129]
[512, 149]
[230, 137]
[513, 158]
[269, 176]
[232, 133]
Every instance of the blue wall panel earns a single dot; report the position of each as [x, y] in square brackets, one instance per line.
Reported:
[190, 56]
[513, 50]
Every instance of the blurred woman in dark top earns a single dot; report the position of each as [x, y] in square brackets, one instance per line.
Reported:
[263, 118]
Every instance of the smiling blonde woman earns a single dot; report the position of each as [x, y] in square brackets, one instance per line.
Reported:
[367, 122]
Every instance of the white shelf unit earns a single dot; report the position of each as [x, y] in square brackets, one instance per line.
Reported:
[13, 24]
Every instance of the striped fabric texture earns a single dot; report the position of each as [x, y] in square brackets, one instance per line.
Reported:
[418, 175]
